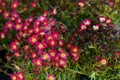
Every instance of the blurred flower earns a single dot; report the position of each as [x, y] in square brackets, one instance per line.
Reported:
[13, 76]
[13, 46]
[18, 20]
[45, 56]
[51, 77]
[81, 3]
[75, 56]
[36, 29]
[33, 39]
[3, 4]
[6, 14]
[20, 75]
[15, 14]
[26, 47]
[82, 27]
[29, 31]
[45, 13]
[47, 27]
[103, 61]
[41, 18]
[16, 54]
[52, 43]
[68, 45]
[37, 62]
[54, 12]
[33, 55]
[2, 35]
[74, 49]
[108, 20]
[96, 27]
[87, 22]
[111, 2]
[62, 62]
[52, 53]
[34, 4]
[63, 55]
[14, 4]
[55, 34]
[40, 46]
[18, 26]
[9, 25]
[61, 42]
[102, 18]
[1, 11]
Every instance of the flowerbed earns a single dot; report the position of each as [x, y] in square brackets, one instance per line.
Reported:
[57, 40]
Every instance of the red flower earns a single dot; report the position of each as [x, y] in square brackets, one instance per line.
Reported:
[103, 61]
[51, 77]
[102, 19]
[18, 26]
[20, 76]
[14, 4]
[1, 11]
[81, 3]
[15, 14]
[49, 37]
[13, 46]
[45, 13]
[108, 20]
[30, 31]
[62, 62]
[26, 48]
[63, 55]
[9, 25]
[87, 22]
[2, 35]
[68, 45]
[3, 4]
[40, 46]
[74, 49]
[60, 42]
[42, 33]
[18, 20]
[56, 64]
[52, 43]
[37, 23]
[55, 34]
[52, 53]
[76, 59]
[34, 4]
[33, 39]
[96, 27]
[16, 54]
[33, 55]
[53, 12]
[45, 56]
[36, 29]
[13, 76]
[37, 62]
[6, 14]
[42, 18]
[52, 22]
[111, 2]
[82, 27]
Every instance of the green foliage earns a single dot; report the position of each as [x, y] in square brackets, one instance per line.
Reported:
[93, 44]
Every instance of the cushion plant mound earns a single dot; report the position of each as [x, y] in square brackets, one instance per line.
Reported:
[60, 40]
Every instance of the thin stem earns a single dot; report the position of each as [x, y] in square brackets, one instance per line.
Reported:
[4, 72]
[75, 71]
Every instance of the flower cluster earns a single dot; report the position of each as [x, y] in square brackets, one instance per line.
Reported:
[39, 38]
[17, 76]
[50, 41]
